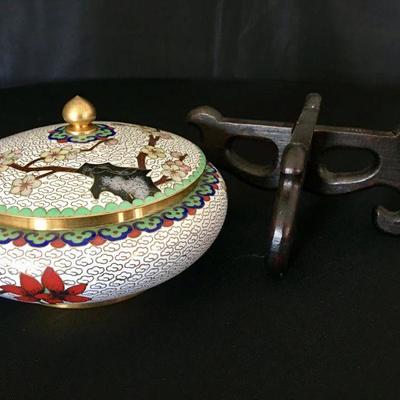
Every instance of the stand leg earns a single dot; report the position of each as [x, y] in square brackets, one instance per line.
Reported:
[292, 174]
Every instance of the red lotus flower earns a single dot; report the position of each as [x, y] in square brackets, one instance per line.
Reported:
[29, 289]
[51, 289]
[58, 294]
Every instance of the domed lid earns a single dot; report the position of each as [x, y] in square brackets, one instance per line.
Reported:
[90, 173]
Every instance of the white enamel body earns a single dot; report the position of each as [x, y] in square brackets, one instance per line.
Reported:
[48, 173]
[115, 270]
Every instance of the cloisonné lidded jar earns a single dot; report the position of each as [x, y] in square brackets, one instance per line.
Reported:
[95, 212]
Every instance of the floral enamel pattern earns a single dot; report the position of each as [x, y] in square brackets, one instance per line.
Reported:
[206, 188]
[89, 267]
[113, 173]
[50, 289]
[149, 167]
[34, 174]
[8, 158]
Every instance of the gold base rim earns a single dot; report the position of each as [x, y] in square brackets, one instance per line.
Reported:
[83, 306]
[78, 130]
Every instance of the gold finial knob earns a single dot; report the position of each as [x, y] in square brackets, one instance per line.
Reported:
[79, 113]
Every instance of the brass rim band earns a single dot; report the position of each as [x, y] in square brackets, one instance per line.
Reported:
[90, 221]
[85, 306]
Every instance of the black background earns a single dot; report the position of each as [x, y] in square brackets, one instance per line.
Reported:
[222, 329]
[355, 41]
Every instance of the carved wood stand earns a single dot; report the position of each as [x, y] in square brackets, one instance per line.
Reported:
[299, 148]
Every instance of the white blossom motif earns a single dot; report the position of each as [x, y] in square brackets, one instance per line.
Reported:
[24, 186]
[59, 154]
[183, 167]
[175, 170]
[8, 157]
[153, 152]
[177, 154]
[111, 142]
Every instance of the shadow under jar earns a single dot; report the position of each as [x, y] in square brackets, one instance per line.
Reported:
[93, 213]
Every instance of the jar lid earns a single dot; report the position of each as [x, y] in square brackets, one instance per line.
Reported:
[87, 173]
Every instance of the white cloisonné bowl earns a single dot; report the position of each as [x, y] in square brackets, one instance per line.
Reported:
[94, 213]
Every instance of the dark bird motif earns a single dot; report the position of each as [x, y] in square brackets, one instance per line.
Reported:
[127, 183]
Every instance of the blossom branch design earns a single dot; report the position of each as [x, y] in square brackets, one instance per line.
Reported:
[163, 179]
[24, 186]
[141, 158]
[52, 168]
[97, 144]
[34, 162]
[173, 170]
